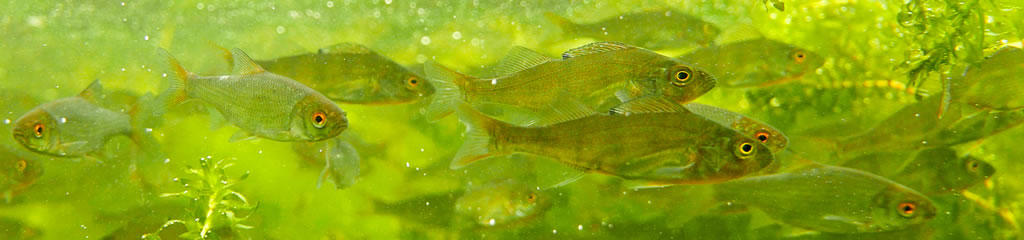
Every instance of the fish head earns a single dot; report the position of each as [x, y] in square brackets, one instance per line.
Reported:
[499, 204]
[684, 82]
[792, 61]
[975, 170]
[317, 118]
[37, 131]
[767, 135]
[897, 207]
[708, 33]
[410, 86]
[19, 171]
[731, 156]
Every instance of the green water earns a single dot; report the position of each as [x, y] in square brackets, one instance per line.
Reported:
[405, 190]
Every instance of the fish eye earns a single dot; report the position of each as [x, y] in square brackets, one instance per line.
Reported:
[20, 165]
[532, 198]
[412, 81]
[973, 165]
[762, 136]
[907, 209]
[319, 120]
[682, 77]
[799, 56]
[38, 130]
[745, 149]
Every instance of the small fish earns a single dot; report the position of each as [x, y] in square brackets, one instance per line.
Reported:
[75, 126]
[766, 134]
[343, 160]
[18, 171]
[261, 103]
[757, 62]
[904, 130]
[654, 29]
[352, 73]
[977, 126]
[592, 74]
[501, 203]
[639, 142]
[831, 199]
[941, 171]
[994, 84]
[777, 4]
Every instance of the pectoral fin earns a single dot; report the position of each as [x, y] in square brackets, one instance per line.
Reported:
[242, 135]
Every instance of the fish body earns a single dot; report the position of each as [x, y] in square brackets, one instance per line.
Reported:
[831, 199]
[995, 84]
[906, 129]
[591, 74]
[501, 203]
[756, 62]
[18, 171]
[352, 73]
[656, 147]
[261, 103]
[72, 126]
[655, 29]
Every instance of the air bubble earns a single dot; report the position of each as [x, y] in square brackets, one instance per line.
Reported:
[425, 40]
[280, 30]
[456, 35]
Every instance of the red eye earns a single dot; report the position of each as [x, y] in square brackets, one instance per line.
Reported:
[907, 209]
[762, 136]
[38, 129]
[319, 119]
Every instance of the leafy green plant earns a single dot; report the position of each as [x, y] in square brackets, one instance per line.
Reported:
[941, 34]
[214, 204]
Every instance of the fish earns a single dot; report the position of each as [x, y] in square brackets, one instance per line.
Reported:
[754, 61]
[986, 86]
[342, 165]
[941, 171]
[640, 142]
[79, 125]
[354, 74]
[777, 4]
[653, 29]
[262, 104]
[905, 130]
[764, 133]
[18, 171]
[501, 203]
[596, 74]
[831, 199]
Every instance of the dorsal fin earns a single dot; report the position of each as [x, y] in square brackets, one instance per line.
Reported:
[244, 64]
[744, 32]
[345, 47]
[648, 105]
[518, 59]
[597, 47]
[92, 93]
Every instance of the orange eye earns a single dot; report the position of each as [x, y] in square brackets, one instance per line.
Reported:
[799, 56]
[319, 120]
[762, 136]
[38, 130]
[907, 209]
[532, 198]
[413, 81]
[20, 165]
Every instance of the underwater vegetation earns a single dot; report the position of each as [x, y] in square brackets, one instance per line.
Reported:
[667, 119]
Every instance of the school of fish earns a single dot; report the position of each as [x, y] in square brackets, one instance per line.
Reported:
[615, 107]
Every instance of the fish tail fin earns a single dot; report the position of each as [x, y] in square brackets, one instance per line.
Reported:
[176, 92]
[568, 27]
[478, 137]
[448, 89]
[143, 120]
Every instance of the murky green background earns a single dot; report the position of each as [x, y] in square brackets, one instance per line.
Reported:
[53, 49]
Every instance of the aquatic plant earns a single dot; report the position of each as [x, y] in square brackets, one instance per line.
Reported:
[213, 202]
[941, 34]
